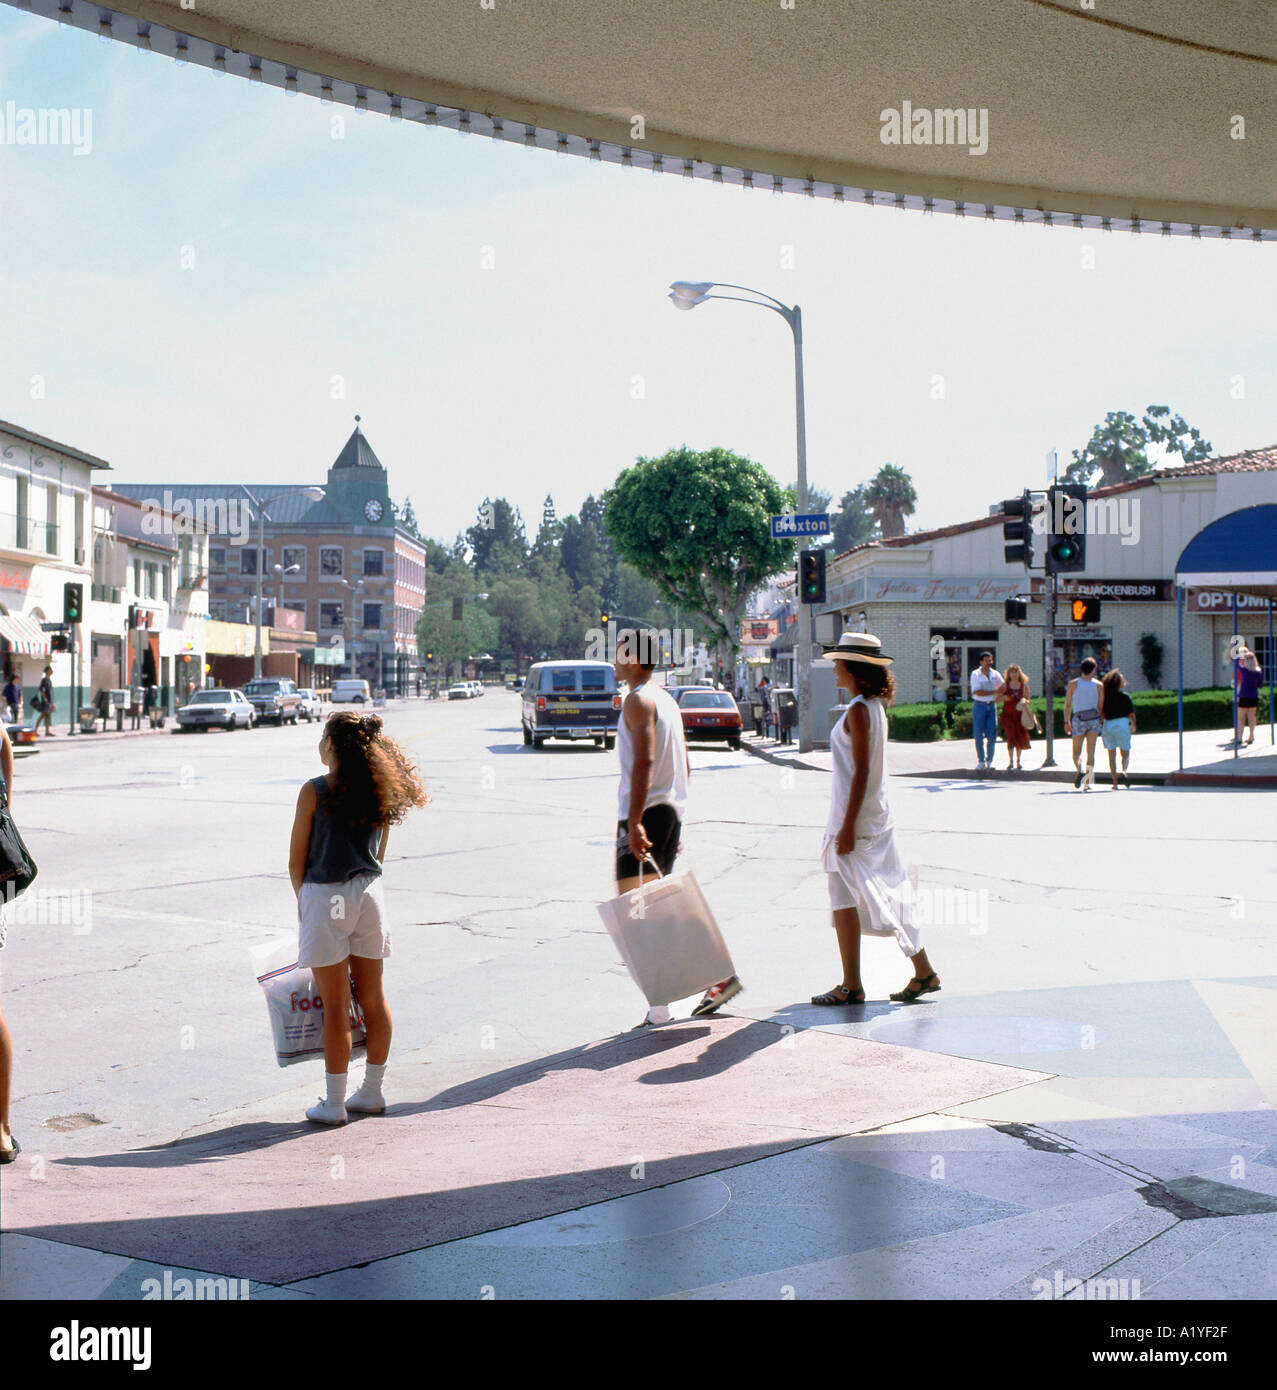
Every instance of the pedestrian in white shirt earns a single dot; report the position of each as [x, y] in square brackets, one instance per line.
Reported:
[985, 684]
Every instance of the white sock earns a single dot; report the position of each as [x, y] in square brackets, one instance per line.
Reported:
[336, 1082]
[372, 1078]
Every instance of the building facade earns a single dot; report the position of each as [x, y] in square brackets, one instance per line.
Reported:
[937, 598]
[45, 519]
[335, 554]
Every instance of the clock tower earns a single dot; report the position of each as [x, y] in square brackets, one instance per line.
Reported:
[358, 485]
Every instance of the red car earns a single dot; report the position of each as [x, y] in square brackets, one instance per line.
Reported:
[709, 714]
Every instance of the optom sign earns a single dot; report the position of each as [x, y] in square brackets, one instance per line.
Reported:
[800, 524]
[1217, 601]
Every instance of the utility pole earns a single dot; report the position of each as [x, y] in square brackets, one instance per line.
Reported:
[1048, 627]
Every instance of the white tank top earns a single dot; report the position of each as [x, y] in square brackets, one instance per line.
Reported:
[1086, 696]
[875, 814]
[668, 786]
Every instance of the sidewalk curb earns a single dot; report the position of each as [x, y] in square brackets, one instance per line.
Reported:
[772, 755]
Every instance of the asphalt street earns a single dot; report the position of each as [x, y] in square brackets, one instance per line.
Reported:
[168, 855]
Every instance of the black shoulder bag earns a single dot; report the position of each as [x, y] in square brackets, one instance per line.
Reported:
[17, 868]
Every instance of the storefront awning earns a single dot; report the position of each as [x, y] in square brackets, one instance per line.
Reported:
[1236, 553]
[1132, 115]
[23, 635]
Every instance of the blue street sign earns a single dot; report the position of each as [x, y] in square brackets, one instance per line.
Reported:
[808, 524]
[55, 627]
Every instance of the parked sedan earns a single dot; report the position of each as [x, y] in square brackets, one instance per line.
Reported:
[709, 714]
[223, 709]
[460, 691]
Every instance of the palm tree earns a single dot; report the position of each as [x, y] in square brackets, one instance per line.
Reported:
[1118, 447]
[891, 498]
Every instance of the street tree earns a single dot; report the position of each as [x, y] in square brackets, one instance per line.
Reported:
[1118, 448]
[697, 524]
[854, 522]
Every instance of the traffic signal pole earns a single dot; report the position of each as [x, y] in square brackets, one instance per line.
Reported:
[1048, 662]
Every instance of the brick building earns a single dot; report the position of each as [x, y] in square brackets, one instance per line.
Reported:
[334, 553]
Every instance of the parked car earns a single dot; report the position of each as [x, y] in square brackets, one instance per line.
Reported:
[517, 683]
[274, 697]
[224, 709]
[311, 707]
[351, 692]
[709, 714]
[477, 687]
[571, 699]
[460, 691]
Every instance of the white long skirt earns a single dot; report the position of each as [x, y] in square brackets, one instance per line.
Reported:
[874, 880]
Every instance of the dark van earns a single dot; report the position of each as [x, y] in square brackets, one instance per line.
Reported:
[571, 699]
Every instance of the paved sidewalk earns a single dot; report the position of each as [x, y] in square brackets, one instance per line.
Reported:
[1208, 760]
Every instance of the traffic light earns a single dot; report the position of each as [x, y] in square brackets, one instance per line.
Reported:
[456, 610]
[1084, 610]
[72, 603]
[430, 656]
[1066, 528]
[603, 618]
[60, 642]
[811, 576]
[1017, 610]
[1017, 530]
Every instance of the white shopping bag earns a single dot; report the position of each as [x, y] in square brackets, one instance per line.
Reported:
[297, 1014]
[667, 937]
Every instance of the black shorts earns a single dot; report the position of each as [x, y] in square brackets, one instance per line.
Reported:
[663, 828]
[1248, 704]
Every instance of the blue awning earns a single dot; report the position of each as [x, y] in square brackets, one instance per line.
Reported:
[1237, 553]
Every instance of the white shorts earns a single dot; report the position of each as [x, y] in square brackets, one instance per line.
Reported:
[336, 920]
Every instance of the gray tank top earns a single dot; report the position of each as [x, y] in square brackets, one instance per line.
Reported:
[338, 851]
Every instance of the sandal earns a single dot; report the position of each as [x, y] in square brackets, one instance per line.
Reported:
[8, 1155]
[910, 996]
[832, 997]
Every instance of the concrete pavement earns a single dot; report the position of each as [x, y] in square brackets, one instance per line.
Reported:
[1108, 961]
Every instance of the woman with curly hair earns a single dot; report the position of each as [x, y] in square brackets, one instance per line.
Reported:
[338, 846]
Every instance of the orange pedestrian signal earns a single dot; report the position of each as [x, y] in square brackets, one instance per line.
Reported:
[1085, 610]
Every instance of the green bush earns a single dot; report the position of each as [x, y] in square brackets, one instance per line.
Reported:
[1155, 712]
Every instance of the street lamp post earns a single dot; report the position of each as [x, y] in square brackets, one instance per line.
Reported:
[313, 494]
[687, 295]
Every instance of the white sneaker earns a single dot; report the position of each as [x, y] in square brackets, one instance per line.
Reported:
[366, 1102]
[324, 1114]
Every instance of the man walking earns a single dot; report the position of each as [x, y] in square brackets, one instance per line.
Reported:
[985, 684]
[653, 795]
[46, 706]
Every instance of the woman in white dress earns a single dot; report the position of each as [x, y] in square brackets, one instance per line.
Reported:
[869, 889]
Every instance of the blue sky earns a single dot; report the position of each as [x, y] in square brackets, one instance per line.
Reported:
[498, 315]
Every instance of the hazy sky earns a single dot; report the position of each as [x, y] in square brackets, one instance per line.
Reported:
[498, 315]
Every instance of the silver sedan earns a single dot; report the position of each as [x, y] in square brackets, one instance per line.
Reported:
[223, 709]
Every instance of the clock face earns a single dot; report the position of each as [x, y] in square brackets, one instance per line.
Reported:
[372, 509]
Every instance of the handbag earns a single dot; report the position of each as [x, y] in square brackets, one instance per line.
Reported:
[1027, 718]
[17, 868]
[667, 937]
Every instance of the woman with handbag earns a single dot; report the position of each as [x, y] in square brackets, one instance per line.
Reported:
[1014, 693]
[9, 1147]
[869, 888]
[338, 845]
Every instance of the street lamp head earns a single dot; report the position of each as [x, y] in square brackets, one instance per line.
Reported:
[687, 294]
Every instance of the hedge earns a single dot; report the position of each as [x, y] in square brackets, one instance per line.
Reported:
[1155, 712]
